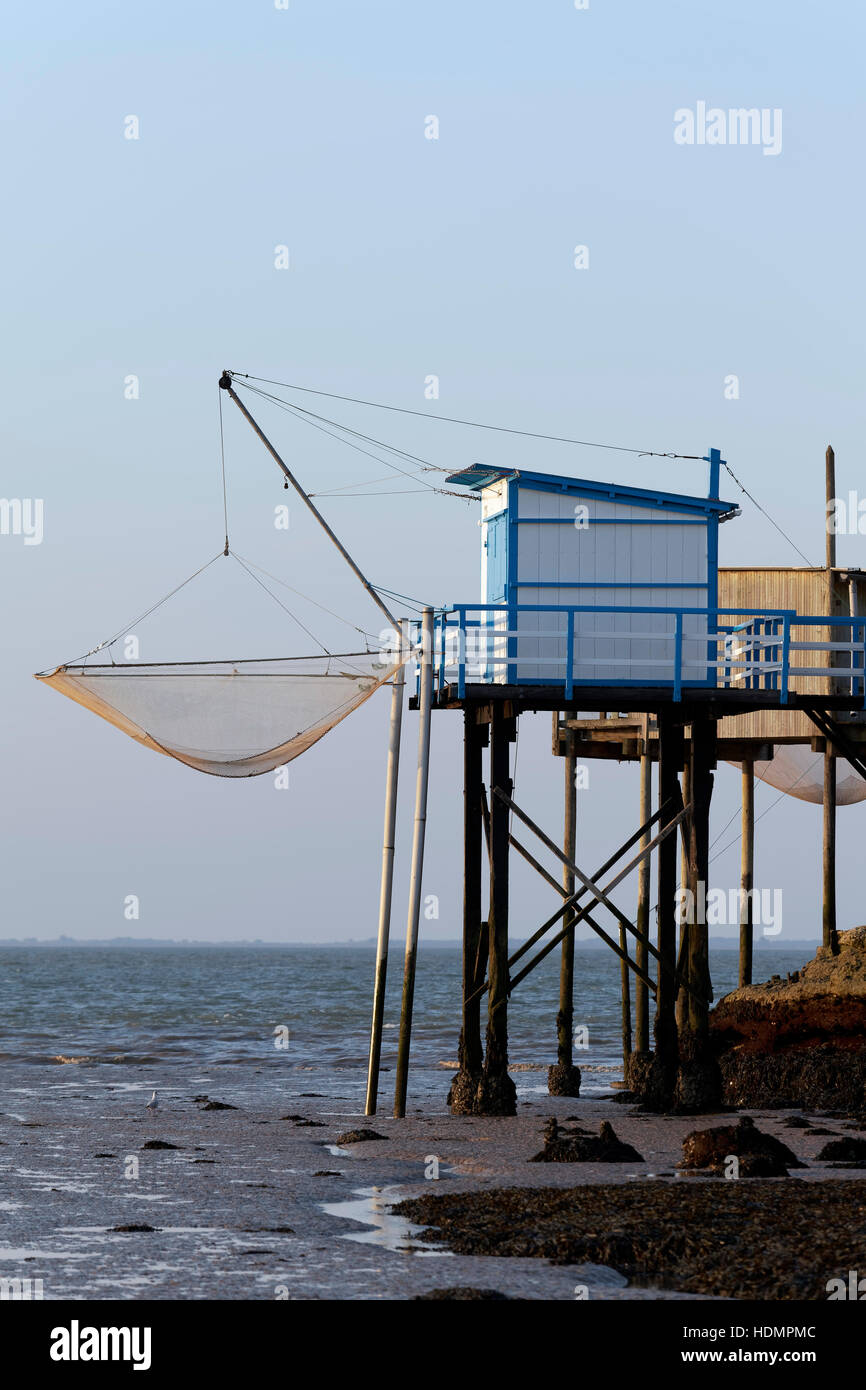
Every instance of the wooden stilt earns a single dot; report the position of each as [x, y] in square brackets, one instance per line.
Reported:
[563, 1079]
[625, 1004]
[685, 831]
[386, 885]
[829, 937]
[747, 873]
[497, 1095]
[664, 1071]
[463, 1093]
[641, 996]
[699, 1079]
[701, 780]
[402, 1079]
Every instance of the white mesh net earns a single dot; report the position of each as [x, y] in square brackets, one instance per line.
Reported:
[795, 769]
[230, 719]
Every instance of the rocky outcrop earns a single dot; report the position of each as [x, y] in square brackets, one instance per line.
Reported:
[491, 1093]
[563, 1079]
[689, 1083]
[799, 1042]
[462, 1293]
[759, 1155]
[844, 1151]
[359, 1136]
[578, 1146]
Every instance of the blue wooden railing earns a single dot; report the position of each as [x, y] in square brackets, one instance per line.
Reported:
[480, 643]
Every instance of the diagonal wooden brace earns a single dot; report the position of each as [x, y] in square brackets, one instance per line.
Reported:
[589, 885]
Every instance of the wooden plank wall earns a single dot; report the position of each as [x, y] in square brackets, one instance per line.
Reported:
[804, 590]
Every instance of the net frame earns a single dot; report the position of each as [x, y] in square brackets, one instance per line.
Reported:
[239, 705]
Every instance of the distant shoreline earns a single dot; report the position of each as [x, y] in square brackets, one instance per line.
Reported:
[442, 943]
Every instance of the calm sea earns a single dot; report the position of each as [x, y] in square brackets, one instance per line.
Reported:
[301, 1008]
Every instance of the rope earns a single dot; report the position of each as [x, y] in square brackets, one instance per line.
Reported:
[344, 487]
[359, 434]
[347, 429]
[756, 503]
[400, 492]
[276, 579]
[307, 417]
[716, 838]
[392, 593]
[109, 641]
[736, 838]
[141, 668]
[767, 809]
[473, 424]
[280, 604]
[500, 429]
[514, 773]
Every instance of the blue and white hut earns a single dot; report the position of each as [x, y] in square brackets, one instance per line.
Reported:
[624, 579]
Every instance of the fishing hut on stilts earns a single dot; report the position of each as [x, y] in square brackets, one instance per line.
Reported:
[603, 605]
[606, 606]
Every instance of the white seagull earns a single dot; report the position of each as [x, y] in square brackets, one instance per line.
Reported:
[153, 1103]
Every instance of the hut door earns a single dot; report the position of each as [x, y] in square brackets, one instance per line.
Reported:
[496, 543]
[497, 561]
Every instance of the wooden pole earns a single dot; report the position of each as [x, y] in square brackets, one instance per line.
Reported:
[828, 935]
[747, 873]
[641, 996]
[699, 1081]
[701, 782]
[565, 1017]
[563, 1079]
[462, 1094]
[685, 832]
[426, 703]
[830, 483]
[386, 882]
[670, 764]
[625, 1003]
[225, 383]
[497, 1095]
[472, 833]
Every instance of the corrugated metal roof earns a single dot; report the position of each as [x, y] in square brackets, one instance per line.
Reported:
[480, 475]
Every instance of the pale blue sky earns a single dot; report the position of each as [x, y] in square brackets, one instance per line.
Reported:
[305, 127]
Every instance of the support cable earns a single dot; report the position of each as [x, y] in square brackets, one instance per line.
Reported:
[280, 604]
[110, 641]
[764, 511]
[474, 424]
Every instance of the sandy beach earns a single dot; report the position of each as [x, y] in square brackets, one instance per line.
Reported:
[260, 1202]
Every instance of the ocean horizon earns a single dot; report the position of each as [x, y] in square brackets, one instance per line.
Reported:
[295, 1008]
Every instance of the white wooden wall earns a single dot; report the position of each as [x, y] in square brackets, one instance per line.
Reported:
[603, 554]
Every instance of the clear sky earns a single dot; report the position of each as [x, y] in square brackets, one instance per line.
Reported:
[155, 257]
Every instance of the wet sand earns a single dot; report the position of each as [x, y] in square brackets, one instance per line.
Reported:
[250, 1204]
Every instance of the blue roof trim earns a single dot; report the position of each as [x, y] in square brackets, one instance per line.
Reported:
[479, 476]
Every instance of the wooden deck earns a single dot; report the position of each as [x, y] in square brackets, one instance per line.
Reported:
[711, 702]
